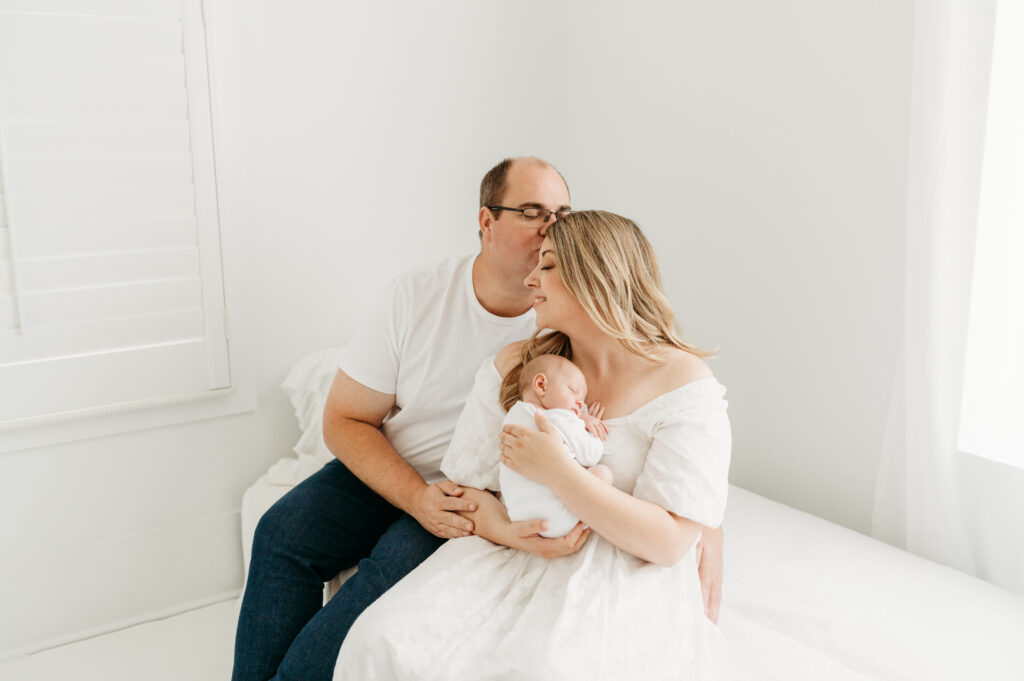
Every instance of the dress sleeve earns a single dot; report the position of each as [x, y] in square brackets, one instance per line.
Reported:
[687, 466]
[474, 453]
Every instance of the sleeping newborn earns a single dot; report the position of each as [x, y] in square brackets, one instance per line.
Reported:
[556, 387]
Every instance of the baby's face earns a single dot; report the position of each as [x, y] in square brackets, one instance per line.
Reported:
[566, 389]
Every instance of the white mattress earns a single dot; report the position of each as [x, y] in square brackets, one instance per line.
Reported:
[807, 599]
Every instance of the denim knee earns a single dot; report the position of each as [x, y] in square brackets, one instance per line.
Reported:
[401, 550]
[277, 529]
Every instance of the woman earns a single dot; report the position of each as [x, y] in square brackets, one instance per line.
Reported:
[627, 604]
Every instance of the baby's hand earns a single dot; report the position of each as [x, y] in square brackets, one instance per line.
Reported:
[592, 419]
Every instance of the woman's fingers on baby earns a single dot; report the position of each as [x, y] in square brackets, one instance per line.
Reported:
[580, 540]
[529, 528]
[570, 543]
[576, 537]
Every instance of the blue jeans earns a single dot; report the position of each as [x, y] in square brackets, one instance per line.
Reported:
[328, 523]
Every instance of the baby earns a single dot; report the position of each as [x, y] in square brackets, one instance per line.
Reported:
[555, 386]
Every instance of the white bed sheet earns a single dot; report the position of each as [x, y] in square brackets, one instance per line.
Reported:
[808, 599]
[803, 598]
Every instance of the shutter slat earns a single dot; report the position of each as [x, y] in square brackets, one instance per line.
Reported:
[82, 170]
[105, 136]
[75, 238]
[88, 101]
[103, 302]
[140, 8]
[97, 336]
[103, 205]
[95, 379]
[103, 69]
[24, 33]
[107, 269]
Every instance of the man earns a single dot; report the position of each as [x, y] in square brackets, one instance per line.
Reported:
[401, 385]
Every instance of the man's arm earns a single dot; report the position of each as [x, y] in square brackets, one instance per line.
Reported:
[709, 567]
[352, 420]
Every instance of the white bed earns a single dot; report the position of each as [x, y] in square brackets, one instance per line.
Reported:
[804, 599]
[808, 599]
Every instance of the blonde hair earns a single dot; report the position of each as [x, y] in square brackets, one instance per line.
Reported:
[608, 266]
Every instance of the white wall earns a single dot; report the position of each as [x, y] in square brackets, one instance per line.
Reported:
[763, 147]
[366, 128]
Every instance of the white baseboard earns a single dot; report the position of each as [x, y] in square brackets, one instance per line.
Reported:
[8, 656]
[85, 591]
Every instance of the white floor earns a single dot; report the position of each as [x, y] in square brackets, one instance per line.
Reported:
[192, 646]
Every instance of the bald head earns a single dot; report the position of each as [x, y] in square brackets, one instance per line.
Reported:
[494, 186]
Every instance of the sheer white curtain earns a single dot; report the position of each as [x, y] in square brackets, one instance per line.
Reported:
[932, 498]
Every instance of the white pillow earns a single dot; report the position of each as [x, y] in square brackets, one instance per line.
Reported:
[307, 387]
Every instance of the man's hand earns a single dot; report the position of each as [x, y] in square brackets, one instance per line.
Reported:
[492, 524]
[592, 419]
[437, 508]
[709, 567]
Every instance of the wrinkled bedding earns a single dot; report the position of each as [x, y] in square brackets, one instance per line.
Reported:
[807, 599]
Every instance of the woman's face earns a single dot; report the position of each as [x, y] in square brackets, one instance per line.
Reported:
[555, 307]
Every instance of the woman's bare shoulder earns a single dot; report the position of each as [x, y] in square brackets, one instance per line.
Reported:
[508, 357]
[682, 367]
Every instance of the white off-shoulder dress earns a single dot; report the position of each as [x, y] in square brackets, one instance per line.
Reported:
[475, 610]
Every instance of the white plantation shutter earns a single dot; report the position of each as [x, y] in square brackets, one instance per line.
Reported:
[111, 288]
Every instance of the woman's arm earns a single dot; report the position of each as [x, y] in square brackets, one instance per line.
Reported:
[491, 522]
[634, 525]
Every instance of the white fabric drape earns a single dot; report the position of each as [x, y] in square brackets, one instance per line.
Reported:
[931, 498]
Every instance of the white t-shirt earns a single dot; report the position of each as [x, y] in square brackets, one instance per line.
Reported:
[423, 344]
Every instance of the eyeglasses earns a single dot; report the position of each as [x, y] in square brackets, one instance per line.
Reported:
[532, 216]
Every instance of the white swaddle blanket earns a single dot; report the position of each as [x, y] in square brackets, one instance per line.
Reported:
[529, 500]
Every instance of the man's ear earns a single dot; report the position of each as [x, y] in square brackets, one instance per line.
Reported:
[484, 219]
[540, 384]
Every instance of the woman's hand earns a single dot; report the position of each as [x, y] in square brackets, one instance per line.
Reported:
[535, 454]
[709, 568]
[491, 522]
